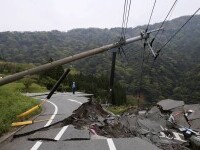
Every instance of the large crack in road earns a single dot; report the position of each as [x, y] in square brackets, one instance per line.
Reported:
[171, 125]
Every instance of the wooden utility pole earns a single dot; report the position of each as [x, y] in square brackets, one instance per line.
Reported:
[112, 77]
[75, 57]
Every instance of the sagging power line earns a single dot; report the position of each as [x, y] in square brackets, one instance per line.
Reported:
[174, 4]
[143, 55]
[127, 5]
[157, 53]
[151, 15]
[177, 32]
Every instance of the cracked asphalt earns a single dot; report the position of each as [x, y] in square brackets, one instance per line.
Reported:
[62, 102]
[58, 108]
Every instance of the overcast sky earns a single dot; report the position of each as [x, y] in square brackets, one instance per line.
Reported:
[63, 15]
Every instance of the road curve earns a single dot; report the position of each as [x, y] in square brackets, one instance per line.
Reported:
[56, 109]
[60, 107]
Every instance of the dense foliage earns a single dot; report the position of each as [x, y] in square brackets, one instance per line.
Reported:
[99, 86]
[13, 103]
[10, 68]
[175, 74]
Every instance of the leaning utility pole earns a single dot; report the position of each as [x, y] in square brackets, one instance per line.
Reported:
[17, 76]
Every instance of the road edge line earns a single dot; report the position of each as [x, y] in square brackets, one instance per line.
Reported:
[54, 114]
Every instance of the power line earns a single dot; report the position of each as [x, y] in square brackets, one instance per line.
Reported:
[125, 56]
[127, 5]
[143, 57]
[123, 20]
[151, 15]
[172, 11]
[166, 18]
[127, 17]
[170, 15]
[177, 31]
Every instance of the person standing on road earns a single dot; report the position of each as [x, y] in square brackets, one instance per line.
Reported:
[73, 87]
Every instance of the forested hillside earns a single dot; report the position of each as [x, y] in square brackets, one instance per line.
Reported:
[175, 74]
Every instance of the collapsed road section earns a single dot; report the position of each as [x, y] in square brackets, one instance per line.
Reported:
[170, 125]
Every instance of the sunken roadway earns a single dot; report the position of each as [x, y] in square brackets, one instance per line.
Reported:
[40, 136]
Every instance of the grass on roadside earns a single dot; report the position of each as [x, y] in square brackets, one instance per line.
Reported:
[12, 103]
[35, 88]
[117, 110]
[130, 101]
[19, 87]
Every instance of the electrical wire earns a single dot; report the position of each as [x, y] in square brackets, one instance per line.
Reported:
[127, 5]
[123, 20]
[143, 57]
[177, 31]
[170, 15]
[166, 18]
[151, 15]
[127, 18]
[172, 11]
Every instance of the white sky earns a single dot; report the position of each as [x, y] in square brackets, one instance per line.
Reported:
[63, 15]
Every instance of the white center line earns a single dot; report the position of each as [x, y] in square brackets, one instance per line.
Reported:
[59, 135]
[39, 143]
[75, 101]
[111, 144]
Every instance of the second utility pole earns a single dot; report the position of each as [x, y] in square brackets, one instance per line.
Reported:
[112, 77]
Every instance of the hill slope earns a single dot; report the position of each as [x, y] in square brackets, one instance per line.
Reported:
[175, 74]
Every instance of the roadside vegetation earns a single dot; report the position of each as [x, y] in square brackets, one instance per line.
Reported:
[12, 103]
[117, 110]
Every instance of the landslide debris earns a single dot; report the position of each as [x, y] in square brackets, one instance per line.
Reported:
[171, 125]
[93, 117]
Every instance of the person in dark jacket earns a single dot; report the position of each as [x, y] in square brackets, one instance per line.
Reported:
[73, 87]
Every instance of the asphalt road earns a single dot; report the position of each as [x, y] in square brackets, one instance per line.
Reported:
[59, 107]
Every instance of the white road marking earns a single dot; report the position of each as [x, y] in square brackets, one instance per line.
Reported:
[111, 144]
[75, 101]
[39, 143]
[59, 135]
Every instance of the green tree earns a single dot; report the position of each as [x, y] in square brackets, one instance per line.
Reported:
[27, 81]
